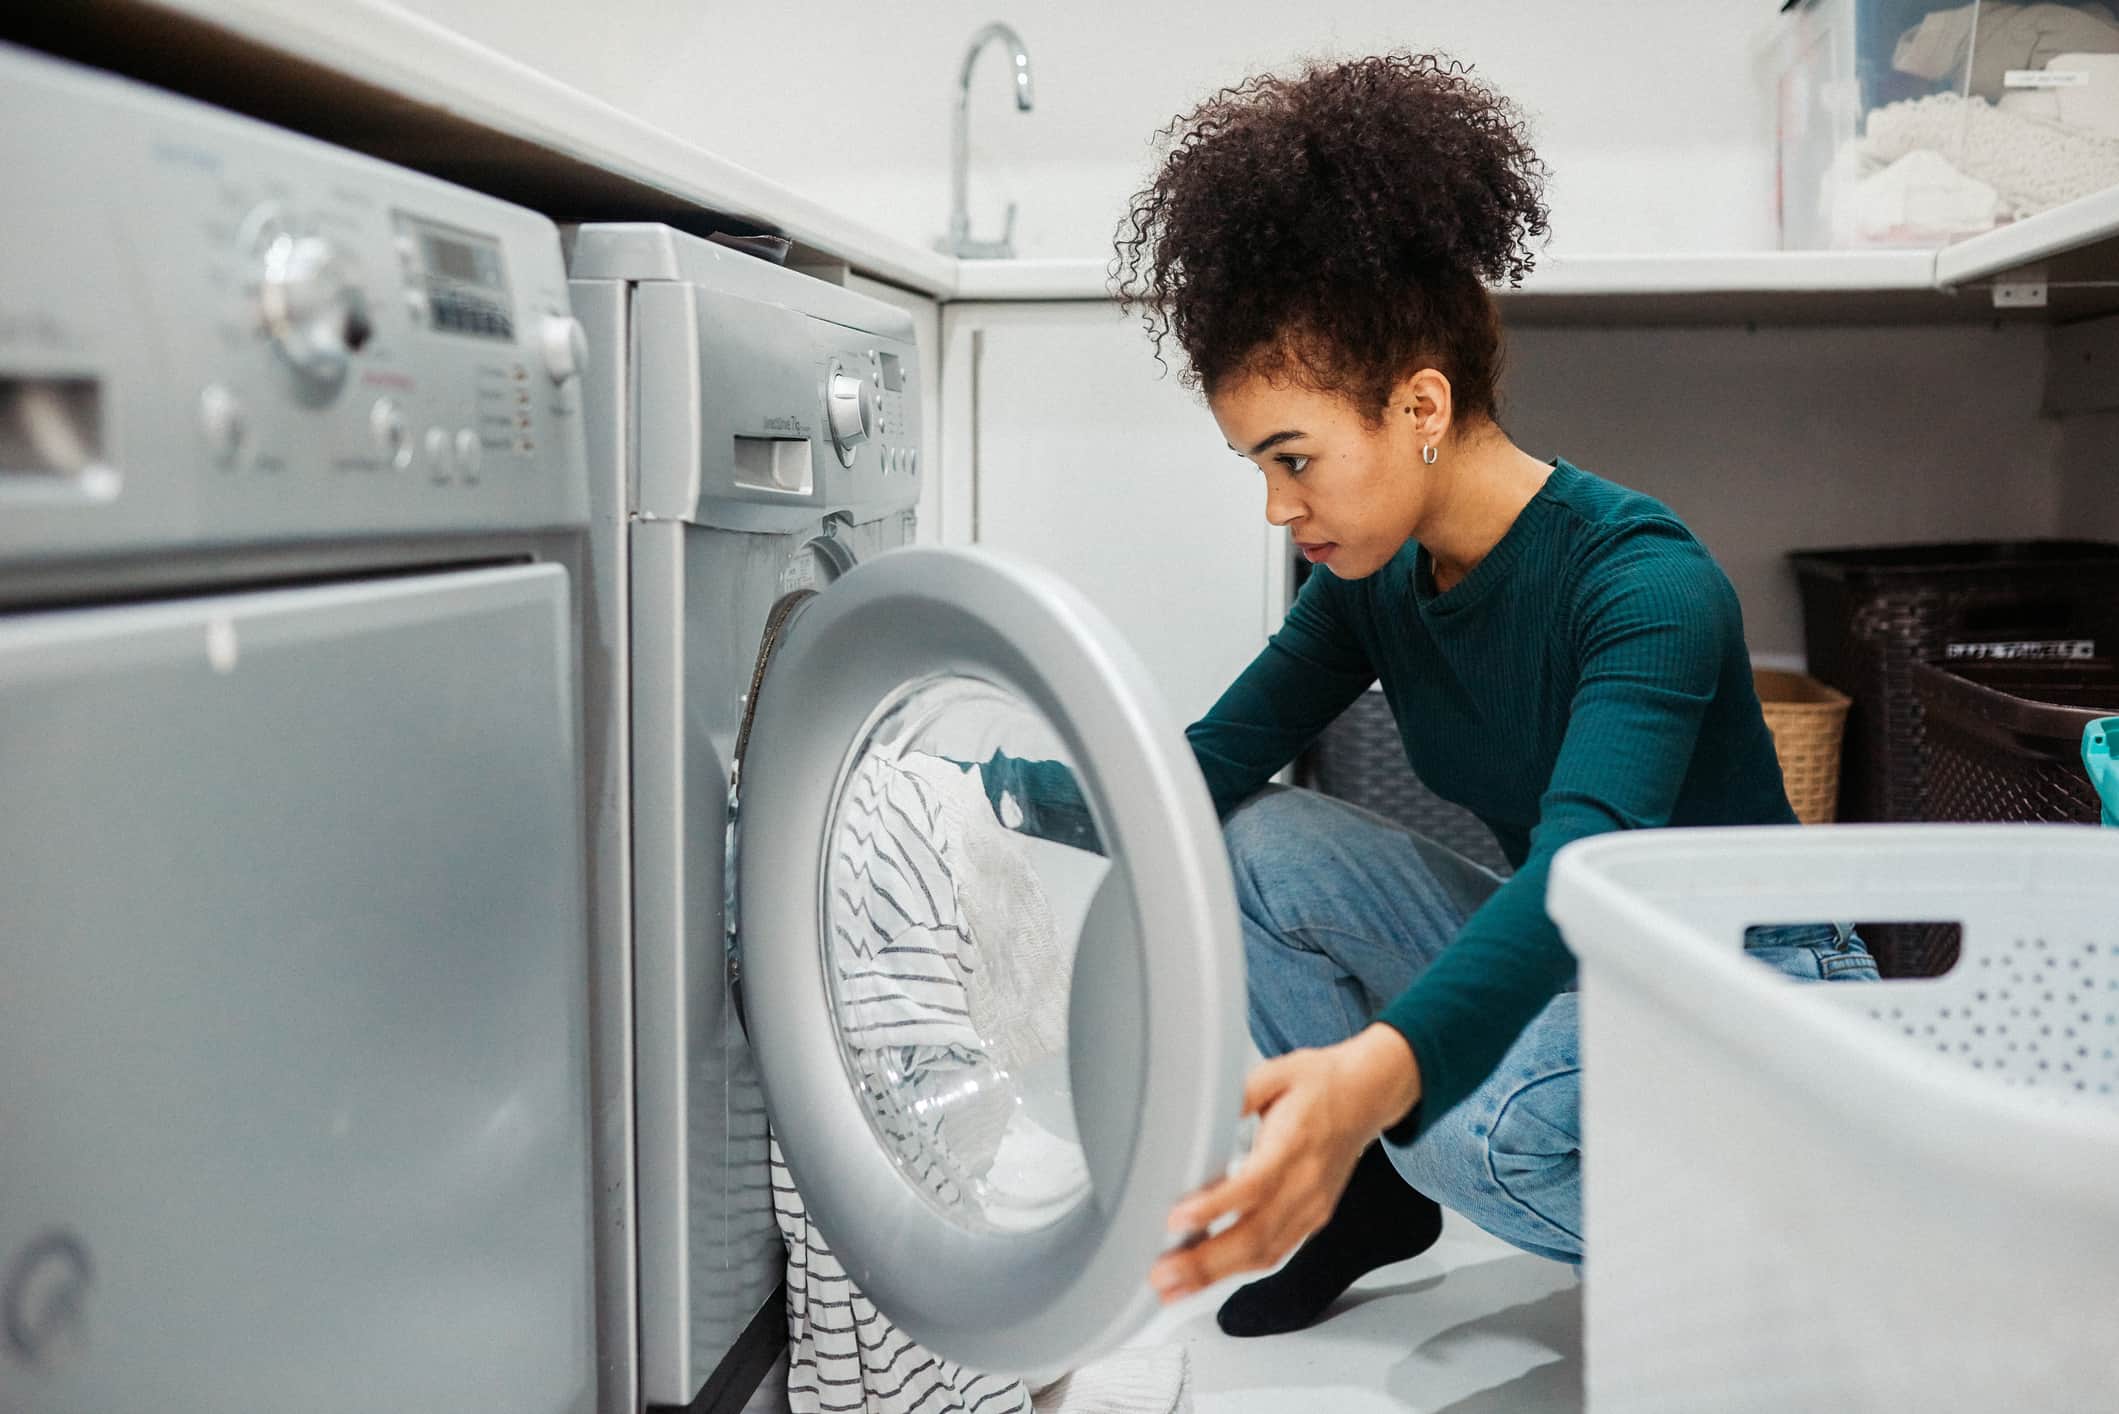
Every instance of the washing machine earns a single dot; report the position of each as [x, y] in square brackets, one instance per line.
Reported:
[755, 452]
[294, 1061]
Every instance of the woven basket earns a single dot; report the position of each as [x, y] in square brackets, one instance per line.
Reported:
[1808, 721]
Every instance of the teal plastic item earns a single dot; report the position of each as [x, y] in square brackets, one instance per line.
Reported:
[2098, 739]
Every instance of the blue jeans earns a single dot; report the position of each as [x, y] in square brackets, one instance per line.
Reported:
[1342, 910]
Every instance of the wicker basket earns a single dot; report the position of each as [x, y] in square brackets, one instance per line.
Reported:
[1808, 721]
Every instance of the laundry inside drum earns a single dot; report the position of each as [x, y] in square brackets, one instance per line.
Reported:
[963, 858]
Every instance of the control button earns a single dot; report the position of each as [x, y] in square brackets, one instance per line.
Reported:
[565, 346]
[387, 424]
[912, 460]
[418, 306]
[469, 452]
[221, 419]
[437, 445]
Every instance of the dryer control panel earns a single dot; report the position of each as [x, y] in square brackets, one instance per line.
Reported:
[213, 332]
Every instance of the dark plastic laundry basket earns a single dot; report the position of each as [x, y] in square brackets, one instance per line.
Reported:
[1870, 615]
[1361, 760]
[2005, 739]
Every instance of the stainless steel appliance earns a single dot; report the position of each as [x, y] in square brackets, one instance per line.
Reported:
[718, 487]
[753, 431]
[293, 984]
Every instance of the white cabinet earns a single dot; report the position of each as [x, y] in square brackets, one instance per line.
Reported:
[1064, 442]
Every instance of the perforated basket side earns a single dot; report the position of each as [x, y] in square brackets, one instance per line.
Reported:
[1773, 1157]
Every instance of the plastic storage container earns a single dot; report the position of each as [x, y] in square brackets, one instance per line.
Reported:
[1850, 1196]
[1870, 614]
[1914, 122]
[2005, 739]
[1361, 760]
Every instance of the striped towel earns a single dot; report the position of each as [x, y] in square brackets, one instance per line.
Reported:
[948, 977]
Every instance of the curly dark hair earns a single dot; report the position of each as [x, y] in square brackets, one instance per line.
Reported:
[1338, 228]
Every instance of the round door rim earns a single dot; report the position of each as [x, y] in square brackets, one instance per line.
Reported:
[1045, 1300]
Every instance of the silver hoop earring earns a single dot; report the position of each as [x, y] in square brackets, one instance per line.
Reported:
[1427, 454]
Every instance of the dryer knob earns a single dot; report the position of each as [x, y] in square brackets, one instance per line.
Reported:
[564, 345]
[851, 403]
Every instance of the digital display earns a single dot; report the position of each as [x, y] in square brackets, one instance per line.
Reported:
[893, 373]
[466, 281]
[458, 260]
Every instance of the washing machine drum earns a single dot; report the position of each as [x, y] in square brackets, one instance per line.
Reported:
[964, 818]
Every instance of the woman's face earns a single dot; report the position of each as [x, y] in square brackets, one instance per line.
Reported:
[1349, 493]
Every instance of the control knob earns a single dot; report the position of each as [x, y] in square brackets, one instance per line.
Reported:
[312, 309]
[850, 402]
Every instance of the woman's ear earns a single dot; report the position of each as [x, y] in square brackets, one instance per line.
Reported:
[1422, 408]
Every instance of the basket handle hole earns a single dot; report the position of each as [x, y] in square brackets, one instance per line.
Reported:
[1917, 948]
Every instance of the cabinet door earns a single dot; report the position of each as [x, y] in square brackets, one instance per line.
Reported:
[293, 1002]
[1087, 457]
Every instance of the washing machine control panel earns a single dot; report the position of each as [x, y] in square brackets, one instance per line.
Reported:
[865, 404]
[764, 399]
[213, 331]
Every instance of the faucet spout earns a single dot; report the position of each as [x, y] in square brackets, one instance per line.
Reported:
[959, 241]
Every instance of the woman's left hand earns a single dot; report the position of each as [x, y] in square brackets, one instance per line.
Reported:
[1318, 1109]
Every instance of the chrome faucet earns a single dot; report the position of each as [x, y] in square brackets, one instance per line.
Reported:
[959, 241]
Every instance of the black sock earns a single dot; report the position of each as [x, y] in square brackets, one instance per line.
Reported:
[1380, 1219]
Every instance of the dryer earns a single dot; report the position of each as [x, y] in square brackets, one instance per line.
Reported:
[294, 1023]
[753, 436]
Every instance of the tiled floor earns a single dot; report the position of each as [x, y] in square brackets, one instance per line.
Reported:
[1473, 1327]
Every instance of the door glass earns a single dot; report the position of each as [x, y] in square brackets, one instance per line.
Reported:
[963, 859]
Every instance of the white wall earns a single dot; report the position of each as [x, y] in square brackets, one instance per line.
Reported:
[1655, 115]
[1802, 438]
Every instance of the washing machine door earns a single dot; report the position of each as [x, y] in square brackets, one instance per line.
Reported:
[989, 944]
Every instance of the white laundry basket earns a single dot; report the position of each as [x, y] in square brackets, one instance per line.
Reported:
[1900, 1195]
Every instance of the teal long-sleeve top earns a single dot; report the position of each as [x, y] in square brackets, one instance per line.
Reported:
[1589, 674]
